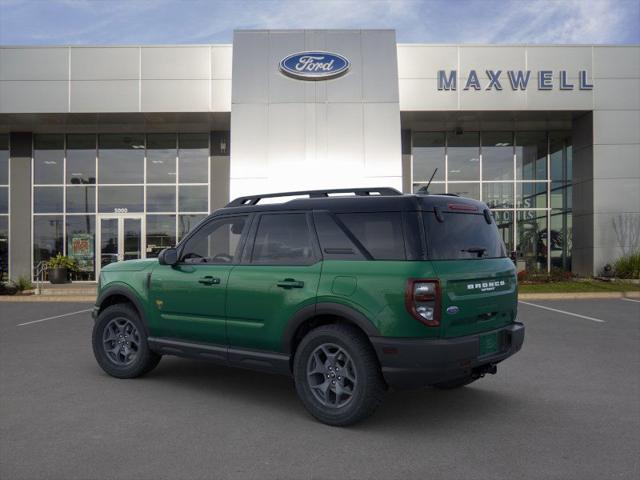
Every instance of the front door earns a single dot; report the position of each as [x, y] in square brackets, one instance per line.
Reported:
[189, 297]
[120, 238]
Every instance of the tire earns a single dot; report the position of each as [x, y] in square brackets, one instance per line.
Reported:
[120, 343]
[359, 386]
[453, 384]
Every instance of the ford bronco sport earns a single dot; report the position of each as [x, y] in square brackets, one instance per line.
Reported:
[350, 292]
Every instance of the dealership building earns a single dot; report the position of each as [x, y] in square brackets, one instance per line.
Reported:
[114, 152]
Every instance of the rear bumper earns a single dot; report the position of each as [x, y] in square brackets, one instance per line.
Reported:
[413, 363]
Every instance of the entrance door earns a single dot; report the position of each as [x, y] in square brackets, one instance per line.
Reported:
[120, 238]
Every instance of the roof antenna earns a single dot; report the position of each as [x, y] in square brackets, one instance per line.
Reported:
[425, 190]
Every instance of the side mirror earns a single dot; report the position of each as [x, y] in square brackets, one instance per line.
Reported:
[513, 255]
[168, 256]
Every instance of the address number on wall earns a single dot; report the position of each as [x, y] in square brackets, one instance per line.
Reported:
[120, 210]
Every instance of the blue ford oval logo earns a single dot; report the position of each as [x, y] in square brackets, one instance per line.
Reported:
[314, 65]
[452, 310]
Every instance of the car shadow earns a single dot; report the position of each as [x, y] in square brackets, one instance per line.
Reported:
[411, 410]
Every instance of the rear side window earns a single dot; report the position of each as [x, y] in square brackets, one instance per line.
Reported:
[462, 236]
[283, 239]
[379, 233]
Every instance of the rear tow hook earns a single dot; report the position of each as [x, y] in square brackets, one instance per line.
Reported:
[489, 369]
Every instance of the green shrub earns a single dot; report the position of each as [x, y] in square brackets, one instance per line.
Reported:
[23, 283]
[61, 261]
[542, 276]
[628, 266]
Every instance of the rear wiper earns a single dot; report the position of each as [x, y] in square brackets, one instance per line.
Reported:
[479, 250]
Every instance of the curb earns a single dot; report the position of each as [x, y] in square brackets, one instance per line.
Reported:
[47, 298]
[577, 295]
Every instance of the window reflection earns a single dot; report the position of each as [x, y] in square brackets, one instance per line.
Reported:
[4, 199]
[161, 199]
[193, 158]
[121, 159]
[497, 156]
[531, 155]
[161, 158]
[161, 233]
[463, 156]
[4, 159]
[120, 199]
[193, 198]
[47, 237]
[428, 154]
[81, 199]
[469, 190]
[47, 200]
[498, 195]
[81, 159]
[186, 223]
[48, 159]
[4, 247]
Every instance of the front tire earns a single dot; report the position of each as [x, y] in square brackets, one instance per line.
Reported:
[337, 375]
[120, 343]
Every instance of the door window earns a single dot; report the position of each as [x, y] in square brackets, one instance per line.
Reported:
[283, 239]
[216, 242]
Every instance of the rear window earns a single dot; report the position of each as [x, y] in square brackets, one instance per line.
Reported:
[462, 236]
[379, 233]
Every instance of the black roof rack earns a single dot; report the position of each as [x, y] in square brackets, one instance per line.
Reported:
[361, 192]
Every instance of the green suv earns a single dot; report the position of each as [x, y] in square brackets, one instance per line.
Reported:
[350, 292]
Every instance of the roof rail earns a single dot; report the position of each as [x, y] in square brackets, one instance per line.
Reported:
[251, 200]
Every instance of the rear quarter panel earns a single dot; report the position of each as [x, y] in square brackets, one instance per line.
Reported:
[377, 290]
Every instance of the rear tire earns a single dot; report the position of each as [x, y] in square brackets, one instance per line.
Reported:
[120, 343]
[453, 384]
[337, 375]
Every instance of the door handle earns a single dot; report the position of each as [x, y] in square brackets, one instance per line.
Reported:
[290, 283]
[209, 280]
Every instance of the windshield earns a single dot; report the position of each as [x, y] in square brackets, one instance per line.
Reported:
[462, 236]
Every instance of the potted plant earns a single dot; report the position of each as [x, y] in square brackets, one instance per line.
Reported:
[59, 268]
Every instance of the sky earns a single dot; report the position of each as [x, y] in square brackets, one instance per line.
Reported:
[121, 22]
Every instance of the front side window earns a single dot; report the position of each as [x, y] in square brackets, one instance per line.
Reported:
[217, 242]
[460, 236]
[283, 239]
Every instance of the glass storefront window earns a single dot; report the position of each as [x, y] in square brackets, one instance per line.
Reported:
[4, 200]
[121, 159]
[428, 154]
[531, 155]
[81, 242]
[561, 239]
[497, 155]
[81, 199]
[193, 158]
[48, 159]
[504, 222]
[161, 199]
[47, 237]
[4, 159]
[470, 190]
[4, 247]
[81, 159]
[531, 195]
[532, 240]
[498, 194]
[161, 158]
[47, 200]
[463, 156]
[161, 233]
[193, 198]
[120, 199]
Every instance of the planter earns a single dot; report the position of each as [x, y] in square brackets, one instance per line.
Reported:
[58, 275]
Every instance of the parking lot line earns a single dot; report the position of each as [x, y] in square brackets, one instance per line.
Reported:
[630, 300]
[563, 311]
[53, 318]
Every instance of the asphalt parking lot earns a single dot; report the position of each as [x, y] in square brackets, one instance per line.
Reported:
[567, 406]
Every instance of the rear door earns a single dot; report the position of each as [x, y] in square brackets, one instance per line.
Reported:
[278, 275]
[477, 280]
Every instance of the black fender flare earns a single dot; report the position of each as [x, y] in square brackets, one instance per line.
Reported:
[350, 314]
[126, 292]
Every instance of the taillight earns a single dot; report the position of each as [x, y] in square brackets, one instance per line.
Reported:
[422, 299]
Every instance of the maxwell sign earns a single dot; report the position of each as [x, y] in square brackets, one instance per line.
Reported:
[314, 65]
